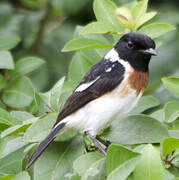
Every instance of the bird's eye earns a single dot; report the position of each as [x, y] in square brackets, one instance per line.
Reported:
[130, 45]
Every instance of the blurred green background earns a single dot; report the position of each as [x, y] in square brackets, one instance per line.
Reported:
[44, 27]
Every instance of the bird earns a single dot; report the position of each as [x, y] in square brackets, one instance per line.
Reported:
[108, 91]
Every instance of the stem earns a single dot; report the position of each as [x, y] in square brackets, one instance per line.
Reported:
[171, 164]
[49, 108]
[168, 160]
[6, 74]
[40, 33]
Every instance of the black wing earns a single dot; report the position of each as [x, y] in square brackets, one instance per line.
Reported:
[108, 74]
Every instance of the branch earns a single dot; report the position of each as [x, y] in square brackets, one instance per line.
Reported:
[35, 46]
[171, 164]
[168, 160]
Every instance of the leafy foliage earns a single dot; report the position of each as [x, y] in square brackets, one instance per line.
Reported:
[27, 115]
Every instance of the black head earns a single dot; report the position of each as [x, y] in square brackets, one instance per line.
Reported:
[137, 49]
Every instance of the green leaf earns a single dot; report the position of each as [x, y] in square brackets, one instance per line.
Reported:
[120, 162]
[57, 161]
[123, 171]
[93, 55]
[3, 127]
[8, 41]
[83, 61]
[67, 135]
[2, 105]
[121, 154]
[168, 175]
[146, 102]
[78, 32]
[27, 65]
[15, 130]
[38, 105]
[2, 82]
[143, 19]
[175, 172]
[12, 163]
[75, 178]
[79, 66]
[130, 177]
[158, 43]
[82, 43]
[21, 115]
[159, 115]
[18, 128]
[8, 177]
[19, 92]
[131, 4]
[174, 133]
[3, 143]
[140, 9]
[99, 28]
[55, 93]
[175, 125]
[6, 118]
[68, 87]
[150, 166]
[105, 11]
[171, 111]
[169, 145]
[12, 145]
[90, 166]
[155, 30]
[33, 4]
[22, 176]
[137, 129]
[6, 60]
[40, 129]
[172, 83]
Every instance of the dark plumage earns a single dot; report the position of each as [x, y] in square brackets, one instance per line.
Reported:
[131, 48]
[108, 84]
[135, 55]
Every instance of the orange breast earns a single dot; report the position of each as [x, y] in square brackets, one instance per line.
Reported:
[138, 81]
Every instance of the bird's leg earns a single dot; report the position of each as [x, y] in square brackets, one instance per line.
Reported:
[106, 143]
[98, 145]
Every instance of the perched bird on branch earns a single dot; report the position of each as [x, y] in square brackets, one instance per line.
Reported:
[111, 88]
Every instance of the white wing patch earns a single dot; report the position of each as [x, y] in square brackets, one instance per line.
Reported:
[109, 69]
[125, 64]
[84, 86]
[112, 55]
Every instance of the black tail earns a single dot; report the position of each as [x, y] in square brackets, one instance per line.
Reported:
[44, 144]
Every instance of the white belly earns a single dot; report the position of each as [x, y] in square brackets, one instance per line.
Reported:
[99, 113]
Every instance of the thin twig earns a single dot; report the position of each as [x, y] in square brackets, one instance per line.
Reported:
[35, 46]
[57, 22]
[49, 108]
[168, 160]
[86, 146]
[6, 74]
[171, 164]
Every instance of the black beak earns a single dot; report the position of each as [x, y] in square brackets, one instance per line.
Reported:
[150, 51]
